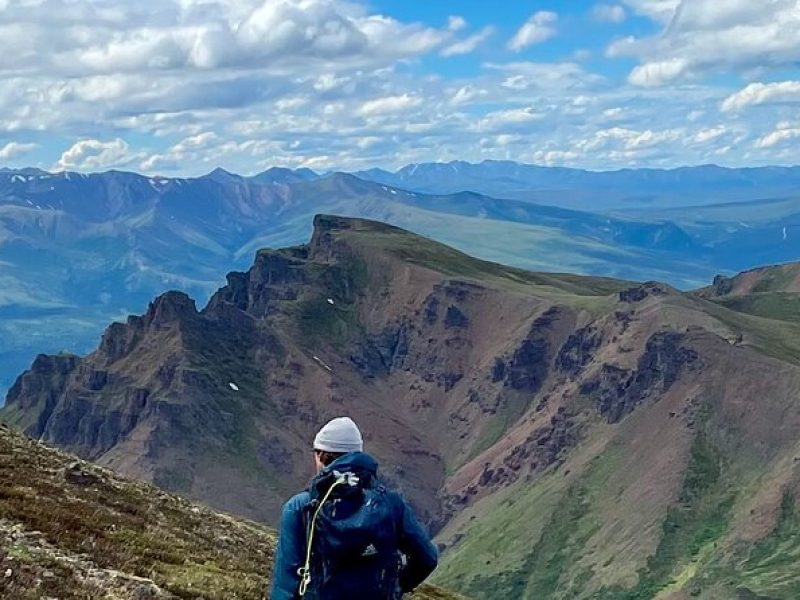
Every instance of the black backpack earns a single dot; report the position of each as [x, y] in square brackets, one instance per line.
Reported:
[352, 545]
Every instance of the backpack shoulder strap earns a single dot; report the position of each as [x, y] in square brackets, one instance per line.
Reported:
[305, 571]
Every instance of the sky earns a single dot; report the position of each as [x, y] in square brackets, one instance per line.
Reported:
[180, 87]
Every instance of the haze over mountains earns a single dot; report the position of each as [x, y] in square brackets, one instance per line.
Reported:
[568, 436]
[77, 251]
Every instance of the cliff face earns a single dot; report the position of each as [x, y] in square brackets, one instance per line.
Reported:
[485, 391]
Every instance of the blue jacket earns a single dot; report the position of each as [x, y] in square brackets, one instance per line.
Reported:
[421, 555]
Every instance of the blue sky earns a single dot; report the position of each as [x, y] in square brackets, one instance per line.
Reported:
[179, 87]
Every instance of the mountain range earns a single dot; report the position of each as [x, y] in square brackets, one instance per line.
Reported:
[566, 436]
[596, 190]
[77, 251]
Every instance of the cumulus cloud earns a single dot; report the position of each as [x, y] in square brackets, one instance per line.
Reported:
[456, 23]
[710, 134]
[512, 118]
[659, 10]
[12, 149]
[469, 44]
[658, 73]
[389, 105]
[204, 147]
[705, 37]
[92, 154]
[246, 84]
[467, 94]
[539, 28]
[545, 76]
[271, 34]
[785, 132]
[609, 13]
[762, 93]
[628, 139]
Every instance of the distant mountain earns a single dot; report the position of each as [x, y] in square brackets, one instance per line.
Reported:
[596, 190]
[278, 175]
[69, 529]
[77, 251]
[570, 437]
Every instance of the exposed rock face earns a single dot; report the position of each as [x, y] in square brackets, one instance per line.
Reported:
[639, 293]
[578, 350]
[619, 392]
[546, 445]
[529, 365]
[723, 285]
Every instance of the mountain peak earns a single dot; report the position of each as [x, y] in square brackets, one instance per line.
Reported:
[220, 175]
[170, 307]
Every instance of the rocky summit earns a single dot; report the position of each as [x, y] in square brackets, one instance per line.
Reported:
[567, 437]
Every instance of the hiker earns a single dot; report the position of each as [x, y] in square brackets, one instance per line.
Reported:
[348, 537]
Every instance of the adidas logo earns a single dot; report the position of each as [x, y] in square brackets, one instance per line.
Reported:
[370, 550]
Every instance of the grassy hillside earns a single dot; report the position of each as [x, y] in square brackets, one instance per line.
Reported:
[73, 531]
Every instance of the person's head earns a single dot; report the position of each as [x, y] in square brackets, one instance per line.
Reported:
[338, 437]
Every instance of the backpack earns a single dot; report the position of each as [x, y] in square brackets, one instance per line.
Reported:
[352, 541]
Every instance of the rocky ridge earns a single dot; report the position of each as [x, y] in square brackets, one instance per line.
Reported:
[477, 386]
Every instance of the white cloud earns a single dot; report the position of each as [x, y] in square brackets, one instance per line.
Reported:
[93, 154]
[456, 23]
[706, 37]
[503, 119]
[12, 149]
[389, 105]
[555, 157]
[710, 134]
[469, 44]
[659, 10]
[539, 28]
[150, 36]
[545, 76]
[466, 94]
[191, 149]
[628, 139]
[784, 133]
[658, 73]
[200, 83]
[761, 93]
[609, 13]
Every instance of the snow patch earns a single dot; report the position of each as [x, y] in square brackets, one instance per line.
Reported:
[233, 386]
[393, 192]
[321, 362]
[330, 301]
[17, 179]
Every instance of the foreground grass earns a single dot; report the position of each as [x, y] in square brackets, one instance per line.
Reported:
[73, 531]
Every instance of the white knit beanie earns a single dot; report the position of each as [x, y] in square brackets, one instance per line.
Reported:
[341, 435]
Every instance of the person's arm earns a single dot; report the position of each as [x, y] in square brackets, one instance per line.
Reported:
[289, 555]
[421, 555]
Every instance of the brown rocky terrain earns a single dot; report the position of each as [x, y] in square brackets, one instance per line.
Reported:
[569, 437]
